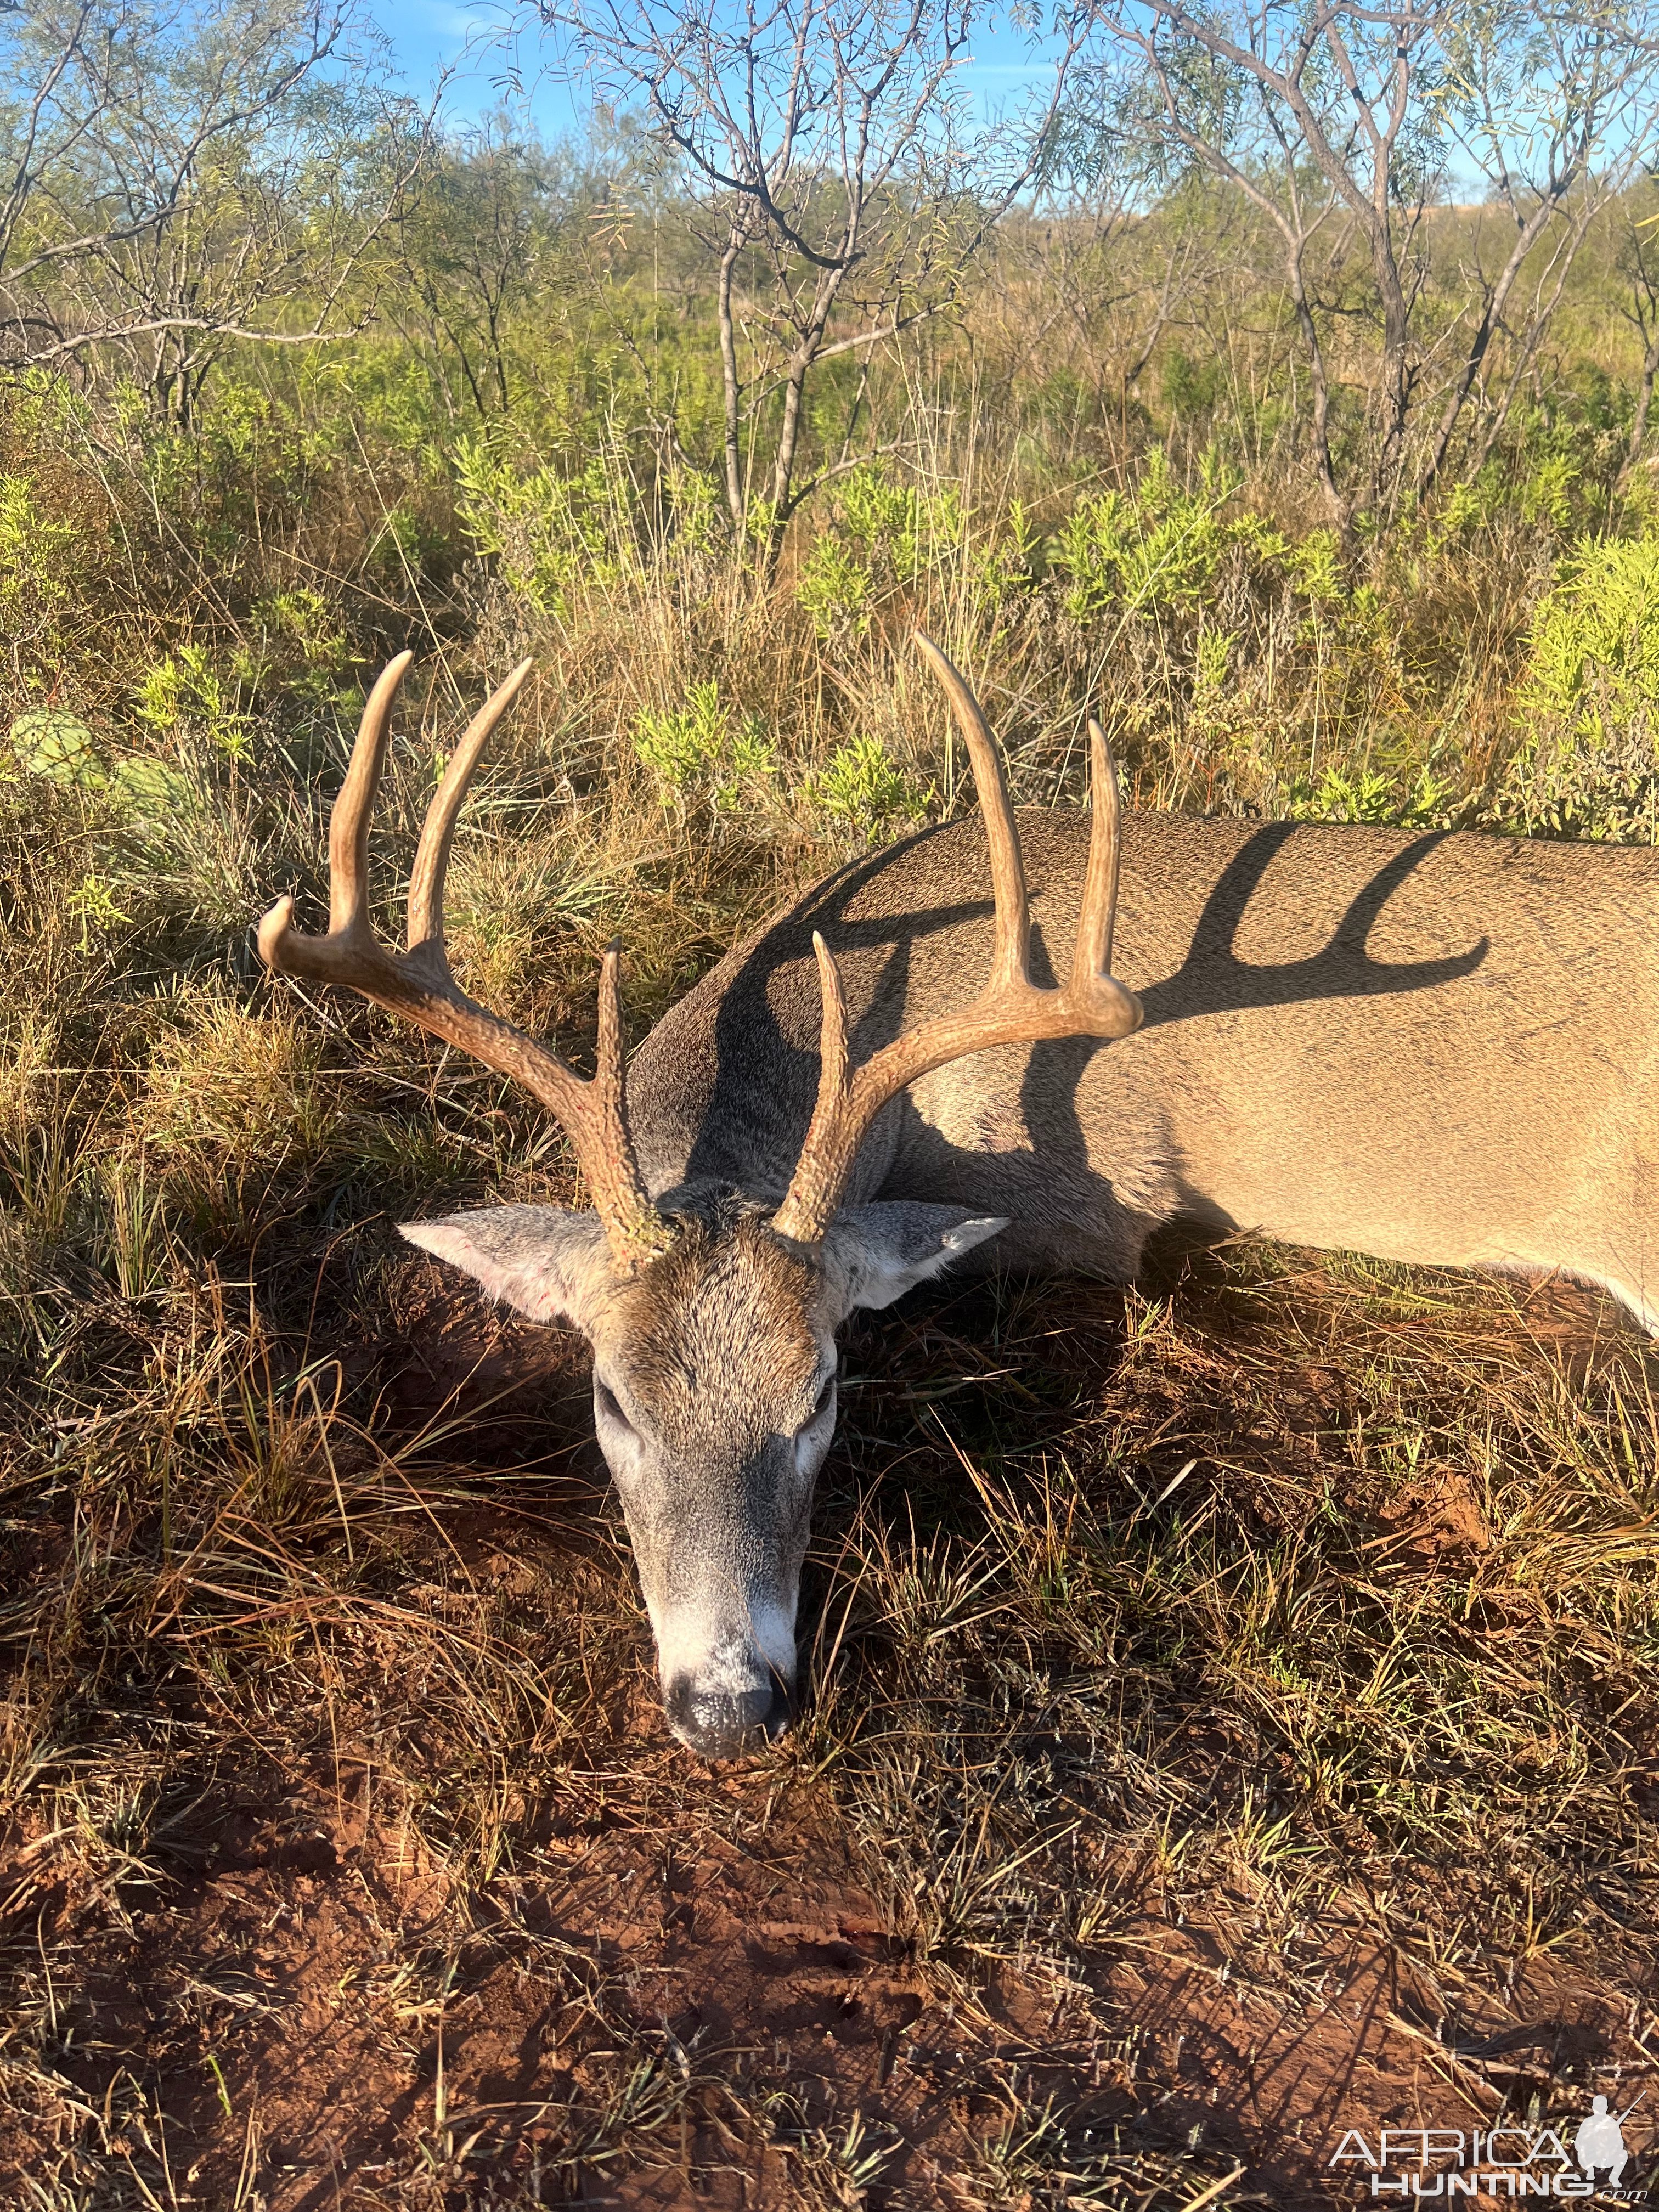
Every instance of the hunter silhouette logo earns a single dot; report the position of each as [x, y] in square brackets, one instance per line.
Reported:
[1494, 2163]
[1600, 2140]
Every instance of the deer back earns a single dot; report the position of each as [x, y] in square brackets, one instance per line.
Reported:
[1428, 1046]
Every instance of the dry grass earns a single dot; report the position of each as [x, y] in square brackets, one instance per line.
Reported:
[1301, 1612]
[1233, 1704]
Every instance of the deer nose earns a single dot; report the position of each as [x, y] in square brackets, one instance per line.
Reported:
[725, 1723]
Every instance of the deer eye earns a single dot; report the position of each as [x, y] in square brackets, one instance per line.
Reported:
[609, 1406]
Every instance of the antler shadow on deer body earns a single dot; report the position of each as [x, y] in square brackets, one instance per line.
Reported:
[1333, 1036]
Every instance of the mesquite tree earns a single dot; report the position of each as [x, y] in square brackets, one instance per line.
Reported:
[1313, 110]
[176, 176]
[841, 183]
[1351, 121]
[1553, 104]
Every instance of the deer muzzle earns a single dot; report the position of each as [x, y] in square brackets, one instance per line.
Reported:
[728, 1686]
[725, 1724]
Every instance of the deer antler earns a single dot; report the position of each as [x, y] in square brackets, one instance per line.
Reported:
[418, 983]
[1011, 1009]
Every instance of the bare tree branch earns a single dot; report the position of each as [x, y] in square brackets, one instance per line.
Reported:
[829, 141]
[164, 161]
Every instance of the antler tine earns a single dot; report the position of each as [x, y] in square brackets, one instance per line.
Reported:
[349, 942]
[820, 1165]
[1010, 961]
[643, 1230]
[347, 825]
[835, 1053]
[1091, 958]
[426, 877]
[418, 985]
[1010, 1009]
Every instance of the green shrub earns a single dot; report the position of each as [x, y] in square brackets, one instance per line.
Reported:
[310, 645]
[701, 749]
[1588, 698]
[1365, 795]
[881, 537]
[37, 555]
[185, 691]
[836, 587]
[1156, 546]
[680, 743]
[41, 560]
[548, 532]
[862, 789]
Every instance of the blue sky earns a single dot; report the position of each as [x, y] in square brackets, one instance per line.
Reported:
[425, 36]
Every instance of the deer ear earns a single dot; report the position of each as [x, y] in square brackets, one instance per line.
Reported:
[548, 1263]
[882, 1251]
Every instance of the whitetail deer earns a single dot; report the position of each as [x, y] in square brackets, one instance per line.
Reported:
[1432, 1048]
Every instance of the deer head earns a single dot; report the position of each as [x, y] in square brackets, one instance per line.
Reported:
[712, 1333]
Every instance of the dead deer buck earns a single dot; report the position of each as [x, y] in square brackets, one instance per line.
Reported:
[1429, 1048]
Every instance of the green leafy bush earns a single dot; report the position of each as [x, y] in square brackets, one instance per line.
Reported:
[185, 691]
[1365, 795]
[836, 587]
[306, 645]
[548, 532]
[701, 749]
[41, 561]
[880, 536]
[1156, 546]
[36, 553]
[1588, 698]
[861, 789]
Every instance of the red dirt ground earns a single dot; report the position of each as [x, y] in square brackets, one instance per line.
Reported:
[297, 2000]
[748, 1955]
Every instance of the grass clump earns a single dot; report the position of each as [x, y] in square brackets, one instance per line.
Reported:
[236, 1108]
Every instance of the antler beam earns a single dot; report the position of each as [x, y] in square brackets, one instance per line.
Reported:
[1011, 1009]
[417, 982]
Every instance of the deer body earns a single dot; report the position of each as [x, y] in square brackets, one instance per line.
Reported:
[1434, 1048]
